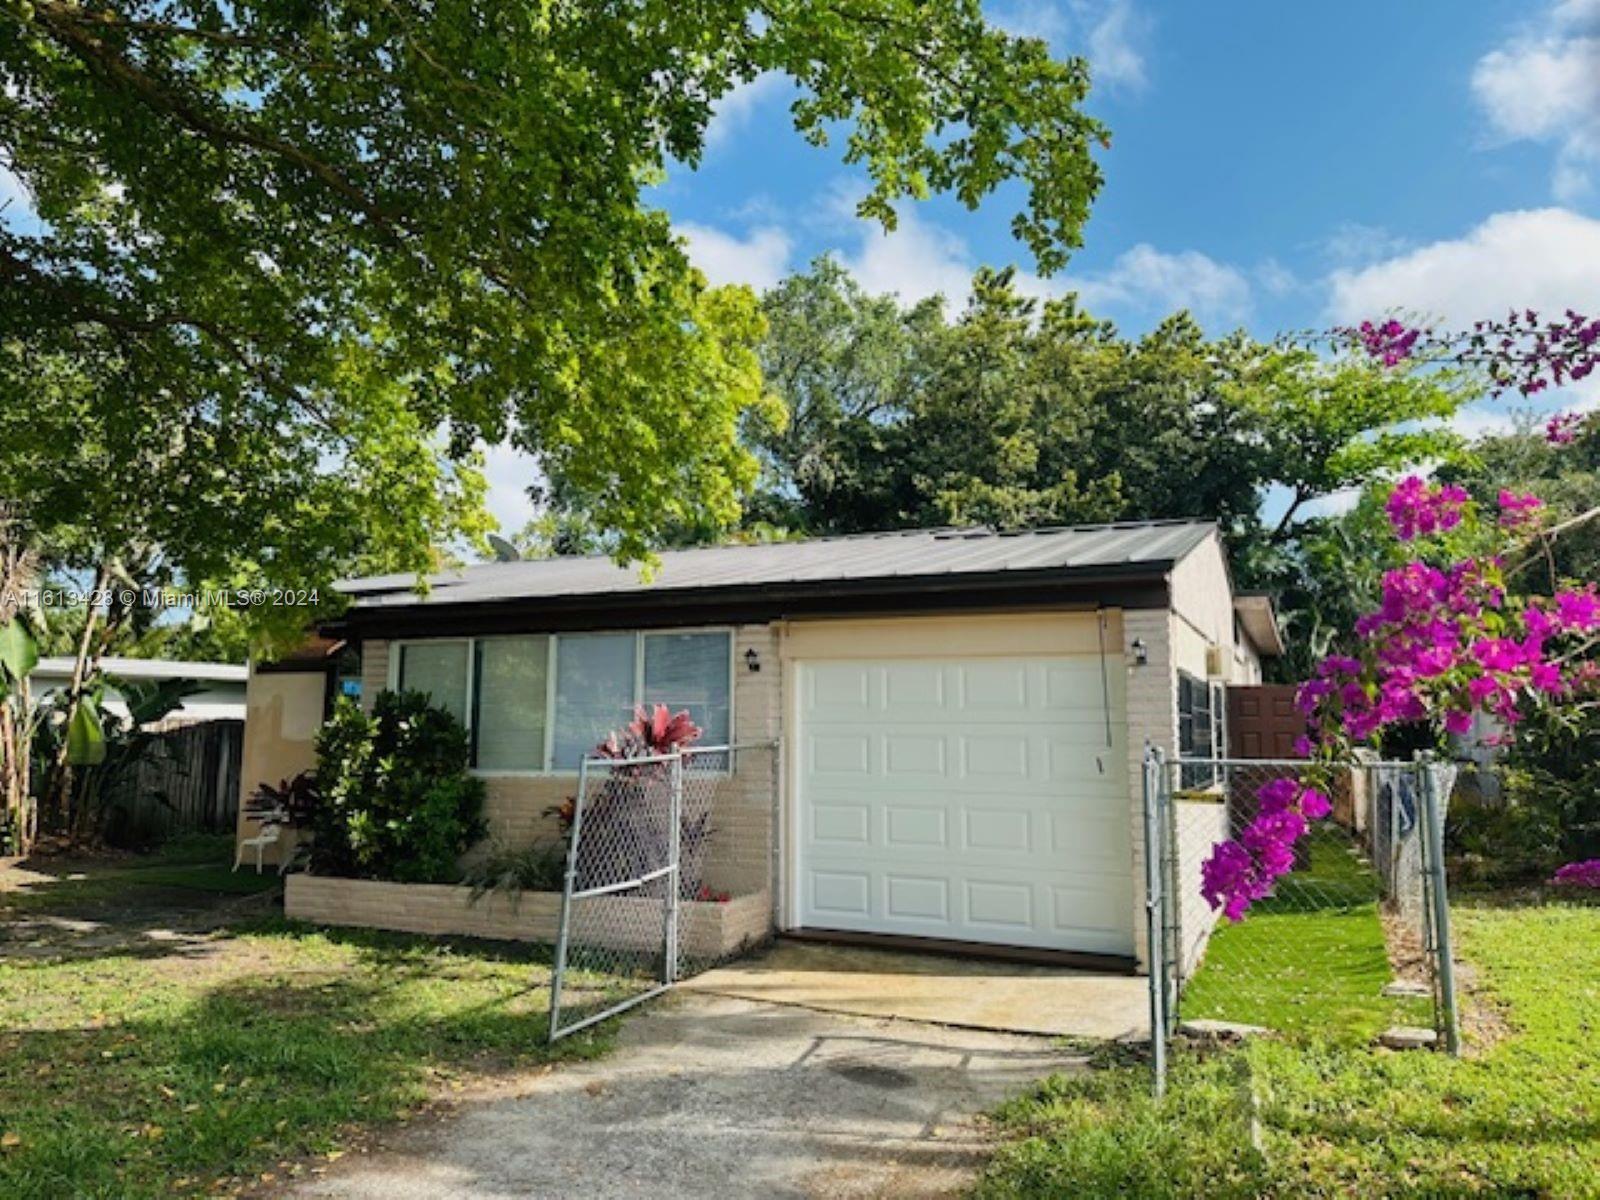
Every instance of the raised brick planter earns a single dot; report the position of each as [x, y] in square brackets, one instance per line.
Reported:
[706, 930]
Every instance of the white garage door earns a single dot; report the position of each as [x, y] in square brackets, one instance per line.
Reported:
[974, 799]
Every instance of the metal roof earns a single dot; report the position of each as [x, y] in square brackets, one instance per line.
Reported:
[1128, 549]
[148, 668]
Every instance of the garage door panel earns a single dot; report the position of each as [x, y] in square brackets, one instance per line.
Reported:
[909, 755]
[918, 827]
[965, 798]
[996, 756]
[839, 754]
[915, 686]
[842, 894]
[846, 689]
[999, 829]
[916, 898]
[986, 687]
[847, 824]
[1084, 910]
[998, 904]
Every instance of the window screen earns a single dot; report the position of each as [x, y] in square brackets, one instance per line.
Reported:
[508, 716]
[438, 669]
[690, 670]
[594, 693]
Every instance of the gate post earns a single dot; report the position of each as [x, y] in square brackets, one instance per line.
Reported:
[559, 968]
[1155, 931]
[669, 965]
[1444, 947]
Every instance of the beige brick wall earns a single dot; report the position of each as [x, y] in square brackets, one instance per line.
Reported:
[708, 930]
[1152, 721]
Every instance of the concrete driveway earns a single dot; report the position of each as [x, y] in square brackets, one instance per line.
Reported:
[969, 993]
[711, 1095]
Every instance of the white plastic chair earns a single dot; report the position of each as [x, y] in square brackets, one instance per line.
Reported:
[270, 834]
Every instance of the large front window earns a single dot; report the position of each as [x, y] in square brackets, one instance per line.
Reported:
[540, 703]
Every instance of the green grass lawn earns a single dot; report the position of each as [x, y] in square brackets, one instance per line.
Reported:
[1310, 960]
[155, 1066]
[1520, 1116]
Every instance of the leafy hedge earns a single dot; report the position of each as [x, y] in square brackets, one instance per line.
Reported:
[397, 801]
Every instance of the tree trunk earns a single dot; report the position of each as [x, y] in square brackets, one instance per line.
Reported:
[58, 785]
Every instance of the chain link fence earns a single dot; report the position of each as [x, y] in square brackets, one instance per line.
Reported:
[1362, 910]
[669, 872]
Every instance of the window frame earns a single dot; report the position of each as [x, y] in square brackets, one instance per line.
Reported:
[470, 641]
[1202, 697]
[397, 659]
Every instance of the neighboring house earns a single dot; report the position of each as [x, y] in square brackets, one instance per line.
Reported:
[219, 694]
[961, 714]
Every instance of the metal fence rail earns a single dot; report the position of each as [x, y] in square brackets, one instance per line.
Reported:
[1377, 856]
[647, 834]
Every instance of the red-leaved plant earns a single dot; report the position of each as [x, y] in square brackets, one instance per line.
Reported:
[626, 823]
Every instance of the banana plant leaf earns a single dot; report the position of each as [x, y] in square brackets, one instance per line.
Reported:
[86, 737]
[19, 653]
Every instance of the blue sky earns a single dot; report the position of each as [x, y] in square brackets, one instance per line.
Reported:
[1259, 148]
[1274, 165]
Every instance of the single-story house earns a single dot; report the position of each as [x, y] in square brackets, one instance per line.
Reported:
[219, 688]
[959, 715]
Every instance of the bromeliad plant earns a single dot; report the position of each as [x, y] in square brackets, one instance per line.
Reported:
[1450, 639]
[626, 818]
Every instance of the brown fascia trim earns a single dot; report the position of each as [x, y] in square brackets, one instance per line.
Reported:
[1143, 588]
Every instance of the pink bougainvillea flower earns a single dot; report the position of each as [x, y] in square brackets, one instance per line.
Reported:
[1228, 879]
[1240, 872]
[1518, 508]
[1314, 805]
[1577, 611]
[1562, 429]
[1458, 722]
[1416, 509]
[1585, 874]
[1390, 342]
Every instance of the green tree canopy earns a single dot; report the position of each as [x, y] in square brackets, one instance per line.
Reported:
[1019, 414]
[297, 223]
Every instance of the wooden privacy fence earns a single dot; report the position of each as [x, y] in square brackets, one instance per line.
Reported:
[187, 782]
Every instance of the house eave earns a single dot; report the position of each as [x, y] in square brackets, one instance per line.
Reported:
[1143, 586]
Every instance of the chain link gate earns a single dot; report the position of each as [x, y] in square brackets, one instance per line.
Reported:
[637, 856]
[1383, 845]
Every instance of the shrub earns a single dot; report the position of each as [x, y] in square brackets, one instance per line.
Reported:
[397, 800]
[540, 867]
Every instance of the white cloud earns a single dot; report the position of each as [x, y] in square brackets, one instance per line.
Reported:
[1111, 34]
[1544, 86]
[1353, 244]
[734, 111]
[1276, 279]
[1116, 55]
[759, 259]
[1546, 259]
[1152, 281]
[922, 259]
[509, 473]
[1043, 19]
[919, 259]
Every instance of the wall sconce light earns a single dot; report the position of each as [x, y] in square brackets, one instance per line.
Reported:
[752, 661]
[1141, 653]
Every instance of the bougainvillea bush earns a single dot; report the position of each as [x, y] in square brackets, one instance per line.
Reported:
[1584, 874]
[1453, 636]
